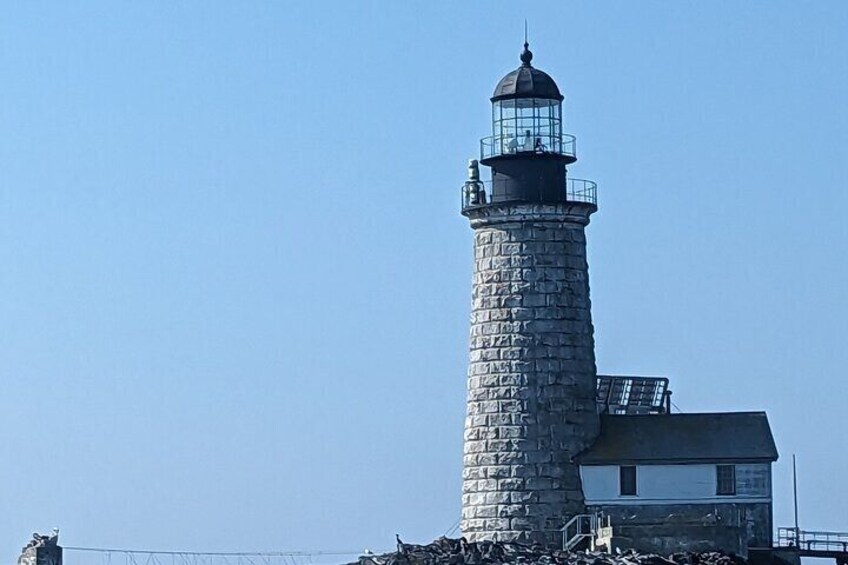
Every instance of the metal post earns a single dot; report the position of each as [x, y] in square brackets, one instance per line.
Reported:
[795, 498]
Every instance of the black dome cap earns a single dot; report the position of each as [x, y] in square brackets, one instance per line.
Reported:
[527, 82]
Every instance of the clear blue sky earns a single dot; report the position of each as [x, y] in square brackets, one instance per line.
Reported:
[235, 283]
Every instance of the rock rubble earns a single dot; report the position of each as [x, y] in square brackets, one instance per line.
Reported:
[446, 551]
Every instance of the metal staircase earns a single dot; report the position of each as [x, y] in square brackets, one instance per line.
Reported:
[581, 528]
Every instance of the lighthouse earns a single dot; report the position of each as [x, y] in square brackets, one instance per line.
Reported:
[531, 375]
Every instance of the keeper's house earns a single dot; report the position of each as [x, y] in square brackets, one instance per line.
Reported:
[683, 482]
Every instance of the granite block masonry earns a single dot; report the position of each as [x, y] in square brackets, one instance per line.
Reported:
[531, 376]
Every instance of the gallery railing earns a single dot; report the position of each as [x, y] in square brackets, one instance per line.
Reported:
[539, 143]
[479, 193]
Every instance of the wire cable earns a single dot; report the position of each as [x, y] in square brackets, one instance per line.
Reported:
[453, 528]
[214, 553]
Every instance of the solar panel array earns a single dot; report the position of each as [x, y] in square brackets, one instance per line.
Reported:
[631, 395]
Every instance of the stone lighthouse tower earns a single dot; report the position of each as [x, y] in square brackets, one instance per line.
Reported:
[531, 373]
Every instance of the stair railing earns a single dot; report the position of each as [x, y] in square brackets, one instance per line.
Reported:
[580, 527]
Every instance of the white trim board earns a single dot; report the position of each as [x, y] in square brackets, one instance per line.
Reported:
[637, 501]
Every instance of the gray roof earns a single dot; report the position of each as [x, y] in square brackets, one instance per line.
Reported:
[682, 438]
[526, 82]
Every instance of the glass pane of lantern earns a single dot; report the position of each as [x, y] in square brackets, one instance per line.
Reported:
[525, 124]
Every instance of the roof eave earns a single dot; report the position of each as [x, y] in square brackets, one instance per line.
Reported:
[597, 462]
[501, 97]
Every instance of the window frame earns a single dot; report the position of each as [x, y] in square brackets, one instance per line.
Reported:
[621, 480]
[725, 480]
[541, 117]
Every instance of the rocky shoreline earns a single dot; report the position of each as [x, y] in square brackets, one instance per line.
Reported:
[447, 551]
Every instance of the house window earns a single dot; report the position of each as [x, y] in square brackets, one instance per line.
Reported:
[726, 480]
[627, 481]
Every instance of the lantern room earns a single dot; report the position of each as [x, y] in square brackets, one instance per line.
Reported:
[527, 151]
[527, 115]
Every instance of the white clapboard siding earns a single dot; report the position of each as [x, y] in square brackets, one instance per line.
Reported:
[675, 484]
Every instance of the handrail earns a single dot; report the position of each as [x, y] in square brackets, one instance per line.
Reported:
[584, 526]
[538, 143]
[812, 540]
[479, 193]
[581, 190]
